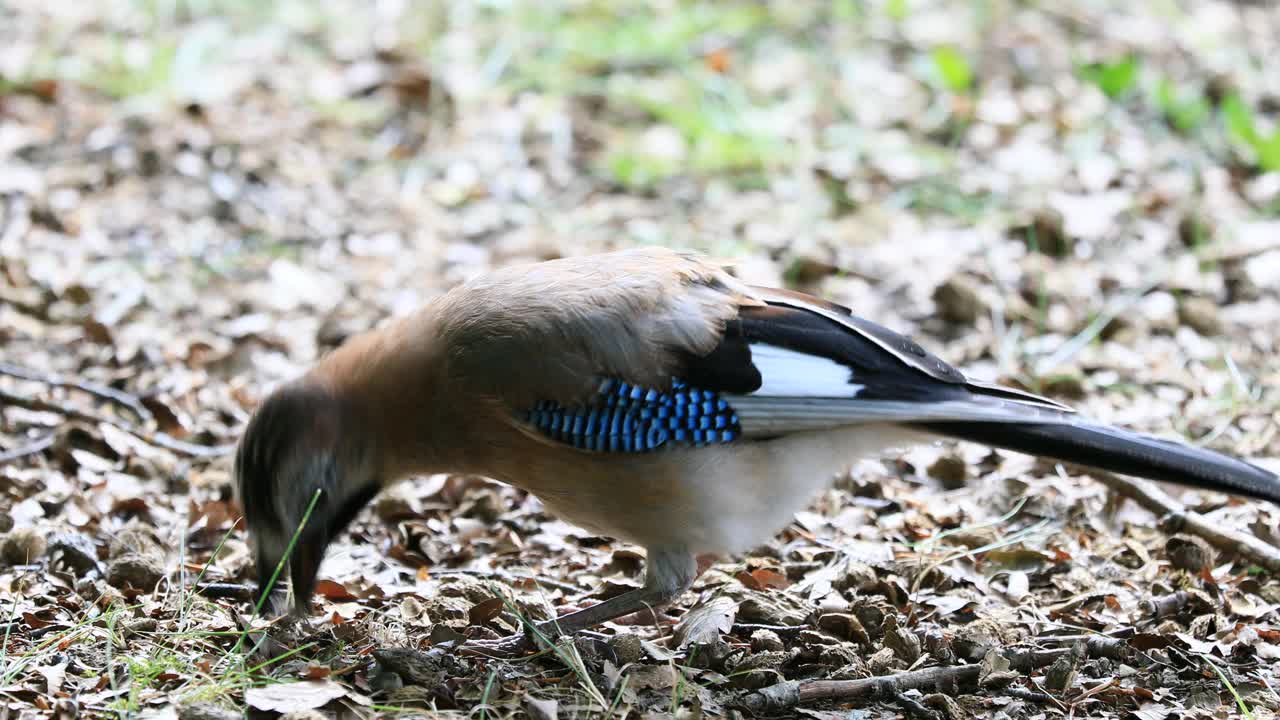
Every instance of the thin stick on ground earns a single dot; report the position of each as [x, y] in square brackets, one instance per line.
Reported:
[509, 577]
[38, 445]
[947, 679]
[1175, 517]
[796, 693]
[126, 400]
[158, 439]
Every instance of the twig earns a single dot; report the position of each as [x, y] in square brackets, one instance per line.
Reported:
[1112, 648]
[508, 576]
[784, 630]
[1165, 605]
[1030, 695]
[38, 445]
[946, 679]
[226, 591]
[787, 695]
[1240, 253]
[914, 707]
[119, 397]
[158, 439]
[1174, 518]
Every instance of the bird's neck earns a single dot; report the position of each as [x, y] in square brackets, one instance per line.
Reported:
[394, 380]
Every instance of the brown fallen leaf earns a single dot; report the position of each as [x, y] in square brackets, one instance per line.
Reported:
[330, 590]
[484, 611]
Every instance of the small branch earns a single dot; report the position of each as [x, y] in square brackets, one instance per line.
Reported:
[508, 576]
[225, 591]
[110, 394]
[1112, 648]
[1174, 518]
[1163, 606]
[787, 695]
[914, 708]
[39, 445]
[158, 439]
[783, 630]
[947, 679]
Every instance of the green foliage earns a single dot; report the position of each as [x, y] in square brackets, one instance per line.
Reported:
[1114, 79]
[1243, 127]
[953, 68]
[1185, 111]
[122, 79]
[650, 66]
[578, 46]
[897, 10]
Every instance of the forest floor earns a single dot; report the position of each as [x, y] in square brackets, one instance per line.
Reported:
[199, 197]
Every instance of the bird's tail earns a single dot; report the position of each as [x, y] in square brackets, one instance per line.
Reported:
[1078, 441]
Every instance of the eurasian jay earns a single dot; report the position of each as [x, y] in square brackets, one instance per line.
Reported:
[646, 395]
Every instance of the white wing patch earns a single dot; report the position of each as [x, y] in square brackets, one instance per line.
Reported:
[788, 373]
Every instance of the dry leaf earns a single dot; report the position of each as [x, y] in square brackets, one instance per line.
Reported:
[291, 697]
[706, 622]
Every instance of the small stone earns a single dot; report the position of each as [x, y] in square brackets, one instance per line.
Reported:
[1194, 231]
[22, 546]
[837, 656]
[1160, 310]
[959, 301]
[206, 711]
[1061, 674]
[1200, 314]
[951, 470]
[902, 641]
[425, 669]
[710, 655]
[844, 626]
[1190, 553]
[384, 681]
[627, 647]
[948, 706]
[882, 662]
[766, 641]
[75, 553]
[135, 539]
[762, 661]
[1045, 235]
[1240, 286]
[1069, 386]
[773, 609]
[135, 570]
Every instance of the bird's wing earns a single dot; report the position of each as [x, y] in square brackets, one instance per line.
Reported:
[554, 331]
[651, 349]
[822, 366]
[644, 348]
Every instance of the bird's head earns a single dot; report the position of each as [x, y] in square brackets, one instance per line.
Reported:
[304, 468]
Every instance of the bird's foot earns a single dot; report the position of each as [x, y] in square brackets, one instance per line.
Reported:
[511, 645]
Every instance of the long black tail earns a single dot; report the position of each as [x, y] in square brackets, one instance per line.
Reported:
[1121, 451]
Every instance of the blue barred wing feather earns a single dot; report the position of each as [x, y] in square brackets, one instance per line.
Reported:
[623, 417]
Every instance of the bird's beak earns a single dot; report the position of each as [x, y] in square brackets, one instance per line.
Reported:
[304, 563]
[329, 517]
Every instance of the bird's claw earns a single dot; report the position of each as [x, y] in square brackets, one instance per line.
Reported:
[510, 646]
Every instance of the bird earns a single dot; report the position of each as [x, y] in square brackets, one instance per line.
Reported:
[646, 395]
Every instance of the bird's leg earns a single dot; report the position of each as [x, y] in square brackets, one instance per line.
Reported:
[668, 573]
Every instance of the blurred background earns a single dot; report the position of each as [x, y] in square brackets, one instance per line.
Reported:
[198, 197]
